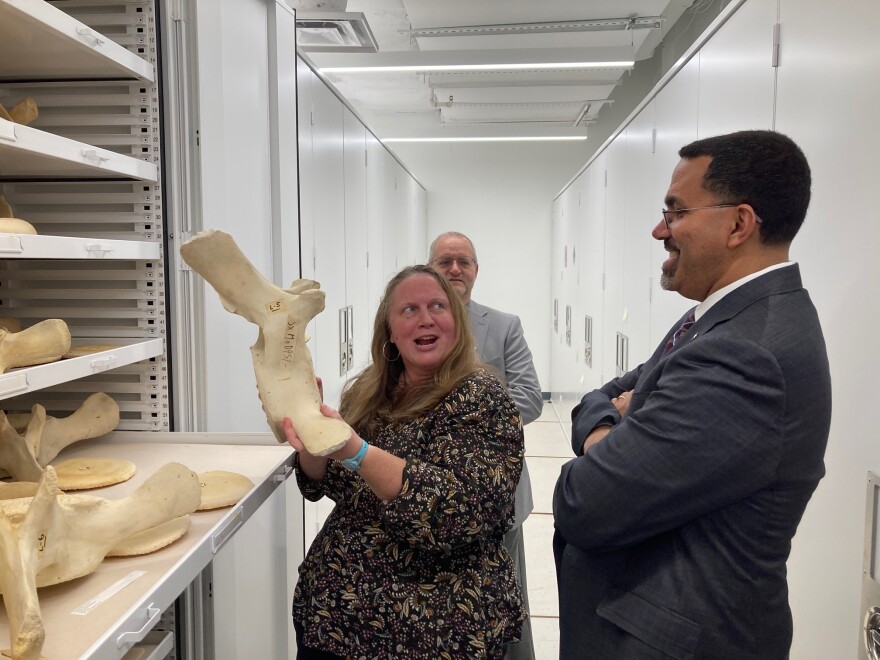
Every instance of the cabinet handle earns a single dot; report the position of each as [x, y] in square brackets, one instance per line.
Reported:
[13, 384]
[102, 364]
[153, 614]
[92, 155]
[282, 476]
[7, 130]
[89, 34]
[98, 249]
[10, 244]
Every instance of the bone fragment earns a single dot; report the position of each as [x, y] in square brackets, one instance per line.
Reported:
[282, 363]
[43, 342]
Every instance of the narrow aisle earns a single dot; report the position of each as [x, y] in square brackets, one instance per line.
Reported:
[547, 448]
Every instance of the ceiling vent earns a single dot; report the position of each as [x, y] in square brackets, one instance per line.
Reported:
[334, 32]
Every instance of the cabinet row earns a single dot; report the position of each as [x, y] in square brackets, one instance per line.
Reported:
[609, 310]
[79, 178]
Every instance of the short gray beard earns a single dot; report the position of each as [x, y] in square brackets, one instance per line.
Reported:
[666, 280]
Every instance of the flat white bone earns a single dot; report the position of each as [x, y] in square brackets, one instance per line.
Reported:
[282, 362]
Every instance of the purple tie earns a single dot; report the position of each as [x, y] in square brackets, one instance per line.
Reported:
[681, 332]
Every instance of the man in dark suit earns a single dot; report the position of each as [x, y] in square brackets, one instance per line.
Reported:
[502, 345]
[674, 524]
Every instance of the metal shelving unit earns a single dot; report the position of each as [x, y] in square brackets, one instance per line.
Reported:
[86, 175]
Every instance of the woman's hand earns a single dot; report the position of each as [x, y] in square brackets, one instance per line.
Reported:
[315, 466]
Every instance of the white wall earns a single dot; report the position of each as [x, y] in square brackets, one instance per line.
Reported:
[497, 195]
[830, 54]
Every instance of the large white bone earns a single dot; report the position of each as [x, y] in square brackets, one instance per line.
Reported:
[43, 342]
[282, 363]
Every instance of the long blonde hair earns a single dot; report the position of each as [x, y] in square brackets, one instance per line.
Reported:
[374, 395]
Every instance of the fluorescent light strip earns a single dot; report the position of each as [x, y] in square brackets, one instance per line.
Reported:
[489, 139]
[478, 67]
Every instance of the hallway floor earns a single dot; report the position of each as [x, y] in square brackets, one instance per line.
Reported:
[547, 448]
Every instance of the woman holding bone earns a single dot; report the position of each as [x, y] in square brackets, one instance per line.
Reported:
[410, 563]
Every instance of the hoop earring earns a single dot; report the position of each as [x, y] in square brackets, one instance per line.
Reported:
[385, 352]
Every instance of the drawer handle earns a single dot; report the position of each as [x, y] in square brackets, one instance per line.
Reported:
[14, 383]
[102, 364]
[153, 614]
[92, 155]
[89, 34]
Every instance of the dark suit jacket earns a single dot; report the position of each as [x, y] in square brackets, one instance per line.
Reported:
[672, 533]
[502, 345]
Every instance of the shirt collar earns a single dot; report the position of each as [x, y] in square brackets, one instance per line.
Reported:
[714, 297]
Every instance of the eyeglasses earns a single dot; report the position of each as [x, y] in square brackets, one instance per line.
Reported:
[670, 215]
[446, 262]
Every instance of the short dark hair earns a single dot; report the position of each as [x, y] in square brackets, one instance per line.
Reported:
[764, 169]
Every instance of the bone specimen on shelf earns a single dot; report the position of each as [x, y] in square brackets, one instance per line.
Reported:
[282, 363]
[18, 452]
[24, 112]
[92, 472]
[98, 414]
[15, 489]
[9, 224]
[151, 540]
[221, 488]
[41, 343]
[54, 537]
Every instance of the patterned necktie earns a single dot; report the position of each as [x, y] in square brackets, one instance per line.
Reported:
[681, 332]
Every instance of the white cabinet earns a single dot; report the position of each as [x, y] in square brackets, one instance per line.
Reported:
[362, 218]
[639, 219]
[591, 270]
[676, 113]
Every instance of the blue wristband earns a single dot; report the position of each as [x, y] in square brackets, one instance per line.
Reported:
[354, 463]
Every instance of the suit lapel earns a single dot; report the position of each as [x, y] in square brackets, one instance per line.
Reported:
[479, 317]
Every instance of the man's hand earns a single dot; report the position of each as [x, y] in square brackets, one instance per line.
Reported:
[595, 436]
[622, 402]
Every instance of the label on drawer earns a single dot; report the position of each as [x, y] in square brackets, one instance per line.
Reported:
[108, 593]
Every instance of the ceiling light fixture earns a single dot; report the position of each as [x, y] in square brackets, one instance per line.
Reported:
[628, 23]
[489, 139]
[479, 67]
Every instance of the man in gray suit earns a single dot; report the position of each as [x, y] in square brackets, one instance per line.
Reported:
[674, 524]
[501, 345]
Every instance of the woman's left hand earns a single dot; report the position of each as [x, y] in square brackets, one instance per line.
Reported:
[296, 442]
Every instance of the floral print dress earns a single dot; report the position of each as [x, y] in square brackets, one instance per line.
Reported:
[424, 575]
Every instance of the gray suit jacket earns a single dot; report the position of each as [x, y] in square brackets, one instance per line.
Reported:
[673, 532]
[502, 345]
